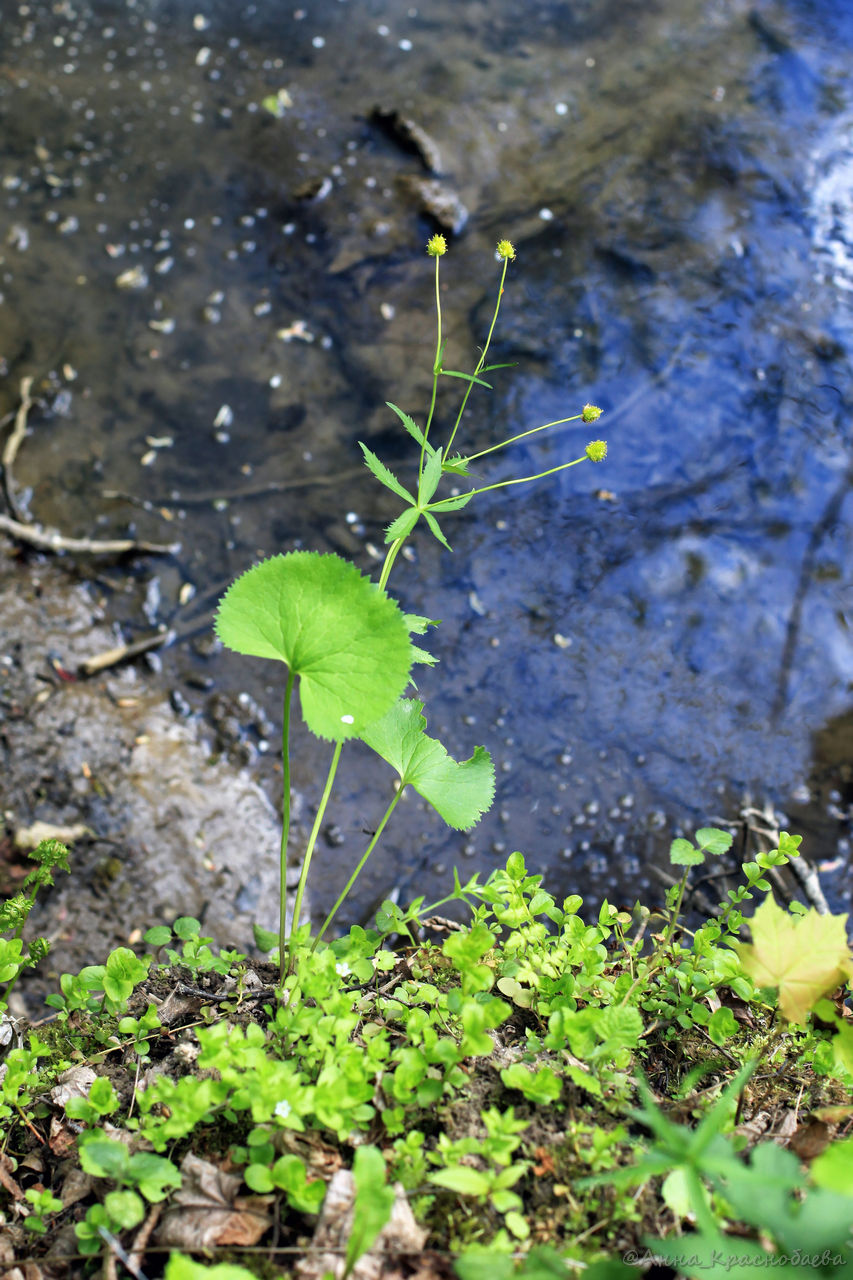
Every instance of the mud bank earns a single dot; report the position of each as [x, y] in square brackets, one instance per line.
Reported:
[174, 825]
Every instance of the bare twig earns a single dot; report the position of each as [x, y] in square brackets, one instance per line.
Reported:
[117, 1251]
[13, 444]
[137, 1252]
[45, 541]
[112, 657]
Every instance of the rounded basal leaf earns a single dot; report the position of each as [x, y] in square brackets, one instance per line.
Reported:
[460, 791]
[346, 640]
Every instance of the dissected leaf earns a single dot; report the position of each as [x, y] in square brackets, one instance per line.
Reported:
[412, 427]
[347, 641]
[453, 504]
[430, 478]
[383, 475]
[436, 529]
[403, 525]
[466, 377]
[804, 956]
[461, 792]
[457, 465]
[417, 626]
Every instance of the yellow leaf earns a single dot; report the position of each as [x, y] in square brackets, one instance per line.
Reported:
[804, 956]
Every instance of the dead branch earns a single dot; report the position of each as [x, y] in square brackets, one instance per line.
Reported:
[46, 541]
[112, 657]
[137, 1252]
[13, 444]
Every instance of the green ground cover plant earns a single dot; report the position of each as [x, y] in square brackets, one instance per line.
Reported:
[534, 1091]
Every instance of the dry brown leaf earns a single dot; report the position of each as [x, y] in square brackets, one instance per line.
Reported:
[810, 1139]
[753, 1130]
[320, 1160]
[207, 1211]
[787, 1126]
[61, 1138]
[6, 1178]
[7, 1249]
[73, 1083]
[178, 1008]
[76, 1186]
[250, 1219]
[401, 1235]
[544, 1162]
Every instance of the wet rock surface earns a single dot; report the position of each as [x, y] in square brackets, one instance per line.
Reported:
[164, 827]
[215, 299]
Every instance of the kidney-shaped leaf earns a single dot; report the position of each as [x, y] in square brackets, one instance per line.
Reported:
[460, 791]
[345, 639]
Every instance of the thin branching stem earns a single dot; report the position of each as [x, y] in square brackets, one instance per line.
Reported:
[503, 484]
[312, 840]
[481, 361]
[349, 884]
[436, 369]
[676, 910]
[503, 444]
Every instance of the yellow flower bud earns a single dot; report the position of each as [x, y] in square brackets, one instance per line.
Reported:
[591, 413]
[505, 250]
[437, 247]
[596, 450]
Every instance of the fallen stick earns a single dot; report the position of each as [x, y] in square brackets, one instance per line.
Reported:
[112, 657]
[140, 1243]
[13, 444]
[82, 546]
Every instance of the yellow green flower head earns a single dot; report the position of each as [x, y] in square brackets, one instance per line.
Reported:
[505, 250]
[591, 413]
[437, 247]
[596, 450]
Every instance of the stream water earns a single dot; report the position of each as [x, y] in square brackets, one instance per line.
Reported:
[216, 303]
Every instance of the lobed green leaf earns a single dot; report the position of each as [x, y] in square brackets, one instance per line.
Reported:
[460, 792]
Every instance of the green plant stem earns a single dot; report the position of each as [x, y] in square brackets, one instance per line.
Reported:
[349, 884]
[674, 914]
[285, 817]
[312, 840]
[558, 423]
[436, 369]
[390, 557]
[503, 484]
[481, 361]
